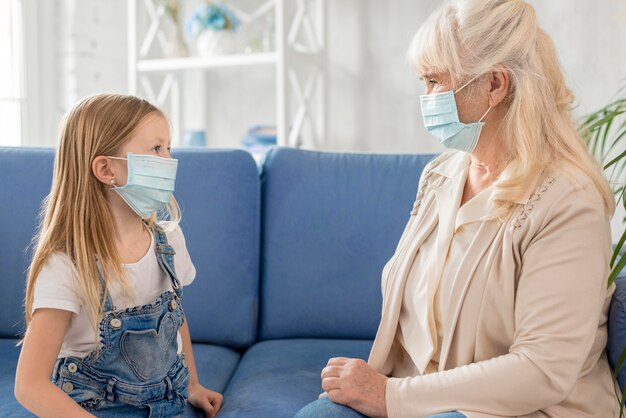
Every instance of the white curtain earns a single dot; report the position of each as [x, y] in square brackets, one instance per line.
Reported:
[11, 73]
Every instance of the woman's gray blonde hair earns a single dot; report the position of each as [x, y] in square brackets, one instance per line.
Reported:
[474, 37]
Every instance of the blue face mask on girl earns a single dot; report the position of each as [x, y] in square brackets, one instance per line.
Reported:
[150, 183]
[441, 120]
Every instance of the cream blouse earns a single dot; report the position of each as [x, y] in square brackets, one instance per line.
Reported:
[431, 278]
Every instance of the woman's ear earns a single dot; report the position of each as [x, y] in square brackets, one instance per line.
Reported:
[499, 86]
[102, 169]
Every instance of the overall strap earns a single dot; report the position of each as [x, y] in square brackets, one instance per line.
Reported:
[165, 256]
[108, 303]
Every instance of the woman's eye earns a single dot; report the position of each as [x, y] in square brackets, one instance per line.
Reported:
[156, 148]
[433, 81]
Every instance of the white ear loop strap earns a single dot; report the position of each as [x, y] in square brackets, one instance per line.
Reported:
[484, 114]
[465, 85]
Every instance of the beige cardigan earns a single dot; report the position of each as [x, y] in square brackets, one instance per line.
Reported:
[529, 308]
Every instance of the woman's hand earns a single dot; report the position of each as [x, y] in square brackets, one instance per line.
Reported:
[354, 383]
[205, 399]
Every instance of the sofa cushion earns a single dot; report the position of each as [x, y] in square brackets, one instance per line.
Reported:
[330, 223]
[9, 354]
[276, 378]
[218, 192]
[215, 366]
[617, 328]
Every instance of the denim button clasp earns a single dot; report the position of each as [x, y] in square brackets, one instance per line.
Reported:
[168, 389]
[72, 367]
[68, 387]
[115, 323]
[109, 390]
[173, 305]
[184, 363]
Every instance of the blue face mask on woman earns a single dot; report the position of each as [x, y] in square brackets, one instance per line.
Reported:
[441, 120]
[150, 183]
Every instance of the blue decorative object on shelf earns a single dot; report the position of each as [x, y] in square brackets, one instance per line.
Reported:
[213, 16]
[194, 139]
[258, 141]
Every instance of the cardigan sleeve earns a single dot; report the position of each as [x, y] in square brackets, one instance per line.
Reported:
[559, 299]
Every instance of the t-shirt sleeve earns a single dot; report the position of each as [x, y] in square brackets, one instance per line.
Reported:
[55, 286]
[185, 270]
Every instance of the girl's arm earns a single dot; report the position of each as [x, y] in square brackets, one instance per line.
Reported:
[199, 396]
[33, 387]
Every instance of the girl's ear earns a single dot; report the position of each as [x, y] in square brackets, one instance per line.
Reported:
[102, 169]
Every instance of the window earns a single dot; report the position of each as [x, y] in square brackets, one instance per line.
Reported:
[11, 73]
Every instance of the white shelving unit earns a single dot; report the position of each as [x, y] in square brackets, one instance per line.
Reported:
[299, 61]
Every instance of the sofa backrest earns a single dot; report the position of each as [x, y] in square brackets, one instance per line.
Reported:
[330, 223]
[616, 344]
[27, 175]
[218, 192]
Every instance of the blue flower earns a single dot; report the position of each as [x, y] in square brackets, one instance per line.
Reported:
[213, 16]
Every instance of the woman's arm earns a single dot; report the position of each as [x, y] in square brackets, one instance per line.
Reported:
[33, 387]
[199, 396]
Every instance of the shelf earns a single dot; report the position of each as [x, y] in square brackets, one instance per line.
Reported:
[194, 63]
[298, 64]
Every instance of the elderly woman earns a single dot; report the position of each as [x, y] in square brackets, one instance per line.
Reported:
[495, 301]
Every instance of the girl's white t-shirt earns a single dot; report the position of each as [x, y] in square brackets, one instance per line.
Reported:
[57, 287]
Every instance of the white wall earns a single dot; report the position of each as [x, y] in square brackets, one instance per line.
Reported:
[75, 49]
[373, 95]
[373, 102]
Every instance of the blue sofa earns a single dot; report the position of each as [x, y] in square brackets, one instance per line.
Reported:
[288, 265]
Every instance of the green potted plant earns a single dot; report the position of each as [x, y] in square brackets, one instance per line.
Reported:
[605, 134]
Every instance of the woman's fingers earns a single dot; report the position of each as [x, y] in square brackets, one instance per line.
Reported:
[331, 371]
[331, 383]
[338, 361]
[337, 396]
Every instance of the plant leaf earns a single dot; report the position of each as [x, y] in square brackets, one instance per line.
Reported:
[620, 363]
[619, 266]
[605, 136]
[618, 248]
[615, 160]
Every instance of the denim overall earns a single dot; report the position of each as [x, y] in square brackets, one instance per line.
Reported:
[137, 372]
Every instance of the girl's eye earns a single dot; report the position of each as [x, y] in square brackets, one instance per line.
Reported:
[156, 148]
[433, 81]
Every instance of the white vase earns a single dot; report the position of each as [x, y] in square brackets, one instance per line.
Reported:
[211, 42]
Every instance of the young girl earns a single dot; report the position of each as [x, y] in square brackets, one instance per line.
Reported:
[103, 299]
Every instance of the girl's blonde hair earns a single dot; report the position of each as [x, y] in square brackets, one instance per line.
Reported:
[475, 37]
[76, 219]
